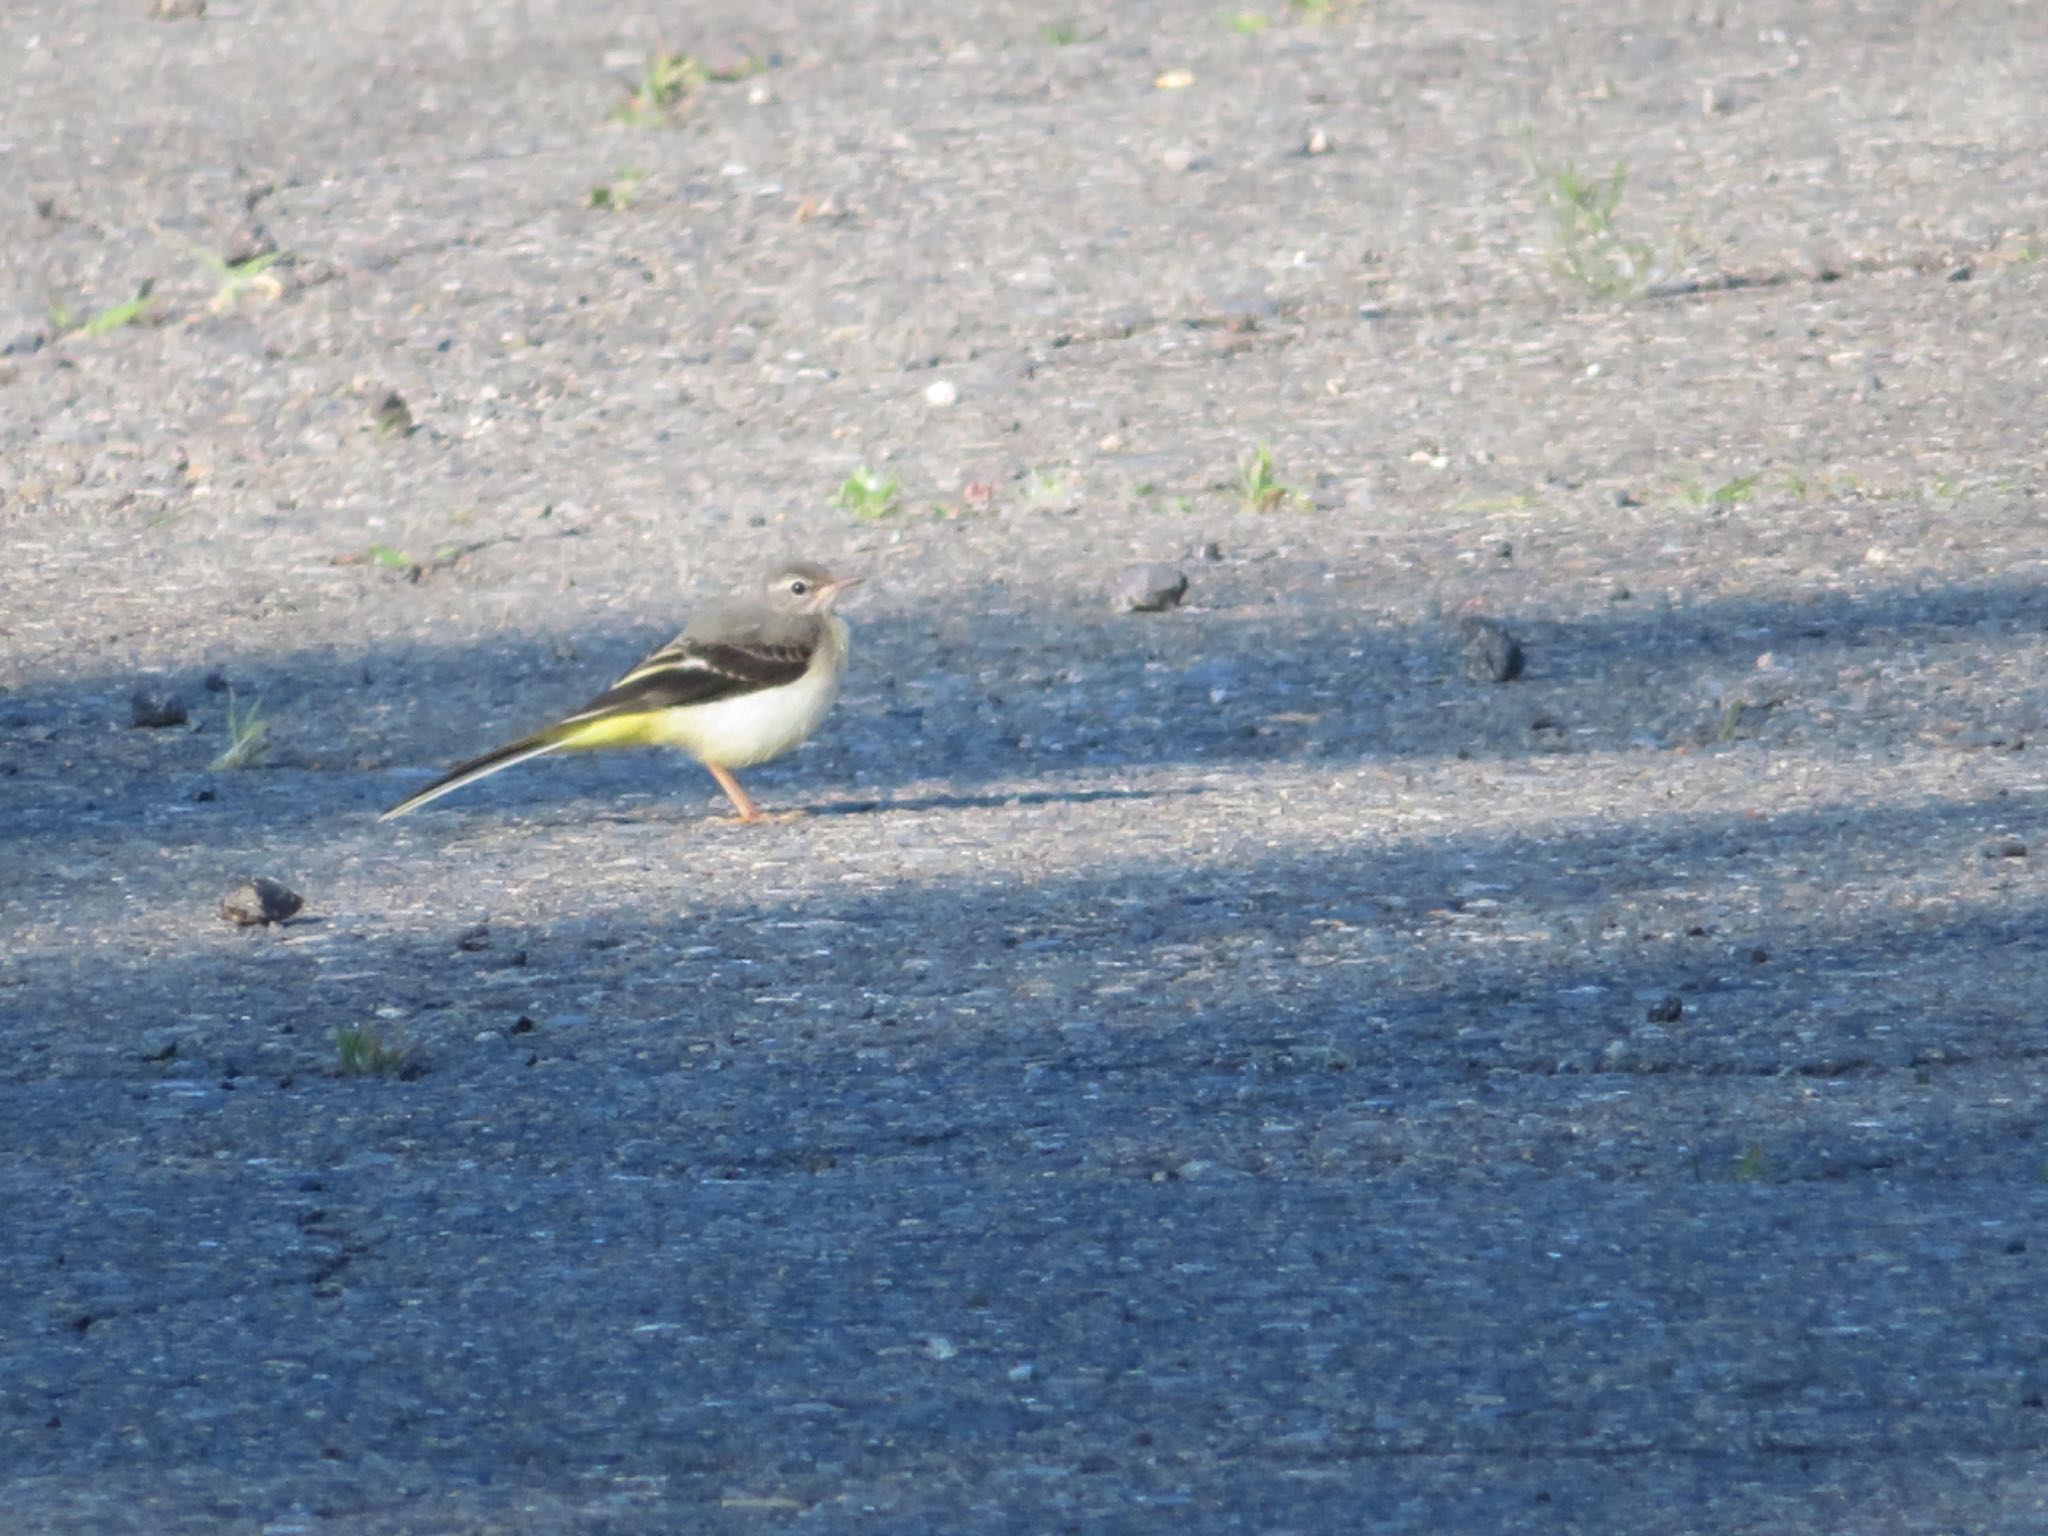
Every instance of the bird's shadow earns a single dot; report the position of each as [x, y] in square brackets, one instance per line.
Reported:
[990, 802]
[949, 802]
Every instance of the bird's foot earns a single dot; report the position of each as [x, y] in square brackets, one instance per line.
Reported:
[760, 818]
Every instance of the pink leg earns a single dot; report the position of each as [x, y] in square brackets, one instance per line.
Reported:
[741, 800]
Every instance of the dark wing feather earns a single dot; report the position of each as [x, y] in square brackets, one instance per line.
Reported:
[699, 672]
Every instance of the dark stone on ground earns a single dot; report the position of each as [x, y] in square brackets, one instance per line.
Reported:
[1489, 654]
[1150, 588]
[263, 900]
[154, 708]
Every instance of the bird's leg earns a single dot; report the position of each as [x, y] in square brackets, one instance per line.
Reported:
[741, 800]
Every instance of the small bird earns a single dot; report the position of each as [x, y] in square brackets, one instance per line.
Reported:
[743, 684]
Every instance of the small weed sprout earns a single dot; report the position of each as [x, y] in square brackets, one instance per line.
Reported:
[666, 81]
[1048, 486]
[867, 495]
[231, 278]
[616, 195]
[1258, 487]
[1586, 246]
[237, 277]
[1729, 493]
[248, 736]
[361, 1051]
[392, 559]
[100, 322]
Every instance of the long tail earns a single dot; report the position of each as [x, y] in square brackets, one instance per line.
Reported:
[477, 768]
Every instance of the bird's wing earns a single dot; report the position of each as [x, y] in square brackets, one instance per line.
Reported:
[701, 671]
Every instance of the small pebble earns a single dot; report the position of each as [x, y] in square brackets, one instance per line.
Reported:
[158, 1045]
[393, 417]
[941, 393]
[474, 939]
[1822, 266]
[155, 708]
[1491, 654]
[1317, 143]
[1666, 1010]
[2012, 848]
[1212, 552]
[1150, 588]
[262, 900]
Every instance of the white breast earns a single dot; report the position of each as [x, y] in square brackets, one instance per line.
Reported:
[753, 727]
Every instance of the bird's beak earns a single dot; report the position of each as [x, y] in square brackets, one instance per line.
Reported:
[840, 583]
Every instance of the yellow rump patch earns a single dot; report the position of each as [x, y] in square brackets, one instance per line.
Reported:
[641, 730]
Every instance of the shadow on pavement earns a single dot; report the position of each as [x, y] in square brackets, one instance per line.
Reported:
[1020, 700]
[1364, 1160]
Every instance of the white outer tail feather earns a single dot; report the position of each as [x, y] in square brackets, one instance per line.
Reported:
[469, 772]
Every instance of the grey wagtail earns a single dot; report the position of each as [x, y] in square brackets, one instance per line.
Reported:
[742, 684]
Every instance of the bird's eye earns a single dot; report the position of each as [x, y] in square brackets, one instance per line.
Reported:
[799, 587]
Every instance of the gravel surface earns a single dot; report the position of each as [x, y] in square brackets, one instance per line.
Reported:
[1252, 1066]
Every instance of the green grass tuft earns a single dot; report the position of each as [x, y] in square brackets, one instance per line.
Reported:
[666, 81]
[361, 1051]
[1258, 487]
[231, 278]
[248, 736]
[1587, 246]
[100, 322]
[867, 495]
[1729, 493]
[1049, 485]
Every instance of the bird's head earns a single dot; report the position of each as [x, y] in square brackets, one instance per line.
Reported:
[801, 587]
